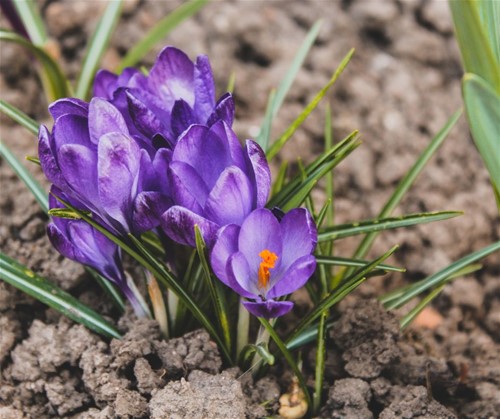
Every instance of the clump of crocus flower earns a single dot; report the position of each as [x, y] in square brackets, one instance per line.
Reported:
[157, 151]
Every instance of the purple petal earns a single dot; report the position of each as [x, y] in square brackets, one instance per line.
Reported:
[187, 187]
[259, 231]
[70, 106]
[299, 235]
[70, 129]
[178, 223]
[262, 173]
[144, 119]
[239, 276]
[103, 119]
[230, 201]
[118, 165]
[172, 77]
[294, 277]
[60, 242]
[79, 168]
[268, 309]
[224, 109]
[148, 208]
[47, 159]
[235, 155]
[225, 245]
[105, 83]
[204, 88]
[182, 117]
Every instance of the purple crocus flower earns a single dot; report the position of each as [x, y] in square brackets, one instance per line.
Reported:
[79, 241]
[91, 157]
[175, 94]
[266, 258]
[213, 182]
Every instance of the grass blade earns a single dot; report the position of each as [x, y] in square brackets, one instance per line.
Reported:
[40, 288]
[23, 173]
[276, 100]
[346, 230]
[489, 12]
[319, 371]
[19, 116]
[354, 263]
[408, 318]
[281, 141]
[32, 21]
[53, 80]
[440, 277]
[97, 46]
[408, 181]
[160, 31]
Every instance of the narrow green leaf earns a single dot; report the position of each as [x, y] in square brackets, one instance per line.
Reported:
[281, 141]
[97, 46]
[33, 159]
[66, 213]
[160, 31]
[32, 21]
[231, 82]
[43, 290]
[346, 230]
[442, 276]
[280, 179]
[319, 370]
[19, 116]
[54, 82]
[216, 293]
[477, 55]
[354, 263]
[21, 171]
[408, 318]
[329, 188]
[108, 288]
[407, 181]
[338, 294]
[489, 12]
[288, 357]
[306, 336]
[483, 112]
[276, 100]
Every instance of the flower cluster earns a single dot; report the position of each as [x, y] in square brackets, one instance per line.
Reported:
[157, 153]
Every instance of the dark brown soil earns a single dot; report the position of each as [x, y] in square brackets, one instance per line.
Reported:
[400, 88]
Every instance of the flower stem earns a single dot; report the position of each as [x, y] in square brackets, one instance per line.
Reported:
[242, 329]
[138, 303]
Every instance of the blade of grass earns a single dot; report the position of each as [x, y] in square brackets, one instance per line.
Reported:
[53, 80]
[19, 116]
[32, 21]
[407, 181]
[21, 171]
[276, 101]
[281, 141]
[489, 12]
[216, 293]
[288, 357]
[442, 276]
[160, 31]
[408, 318]
[346, 230]
[97, 46]
[354, 263]
[319, 371]
[40, 288]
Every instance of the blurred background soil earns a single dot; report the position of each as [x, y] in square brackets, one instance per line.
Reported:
[400, 88]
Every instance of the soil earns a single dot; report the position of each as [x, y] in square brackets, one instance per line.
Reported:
[400, 88]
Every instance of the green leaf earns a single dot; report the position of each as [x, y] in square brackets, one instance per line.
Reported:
[407, 181]
[439, 278]
[40, 288]
[338, 294]
[276, 100]
[308, 335]
[32, 21]
[108, 288]
[346, 230]
[319, 371]
[408, 318]
[216, 293]
[489, 12]
[281, 141]
[477, 54]
[21, 171]
[483, 112]
[19, 116]
[66, 213]
[354, 263]
[160, 31]
[97, 46]
[54, 82]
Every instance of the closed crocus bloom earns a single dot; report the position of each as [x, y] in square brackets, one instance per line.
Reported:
[91, 157]
[175, 94]
[79, 241]
[214, 182]
[266, 258]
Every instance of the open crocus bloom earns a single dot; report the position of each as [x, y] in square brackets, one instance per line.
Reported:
[175, 94]
[213, 182]
[266, 258]
[92, 158]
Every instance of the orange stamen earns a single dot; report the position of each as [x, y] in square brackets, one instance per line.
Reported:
[268, 260]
